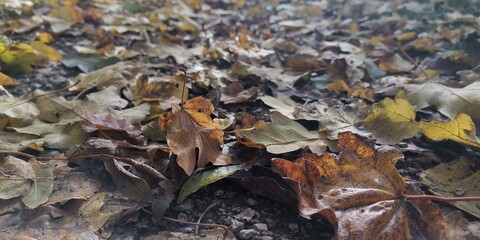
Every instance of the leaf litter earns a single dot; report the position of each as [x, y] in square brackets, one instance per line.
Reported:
[156, 101]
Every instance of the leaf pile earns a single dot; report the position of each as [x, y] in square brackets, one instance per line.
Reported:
[157, 99]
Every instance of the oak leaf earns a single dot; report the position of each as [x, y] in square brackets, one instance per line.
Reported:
[461, 129]
[360, 192]
[392, 121]
[191, 128]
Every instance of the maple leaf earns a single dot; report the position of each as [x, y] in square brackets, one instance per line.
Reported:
[191, 128]
[360, 192]
[392, 121]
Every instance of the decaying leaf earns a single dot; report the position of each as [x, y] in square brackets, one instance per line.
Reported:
[461, 129]
[283, 135]
[41, 188]
[5, 80]
[192, 128]
[455, 179]
[360, 192]
[334, 116]
[392, 121]
[449, 101]
[282, 103]
[20, 172]
[33, 181]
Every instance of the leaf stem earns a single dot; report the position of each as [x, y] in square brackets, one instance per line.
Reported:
[441, 199]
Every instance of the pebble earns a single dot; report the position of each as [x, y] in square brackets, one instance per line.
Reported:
[236, 210]
[260, 227]
[230, 194]
[266, 238]
[247, 214]
[219, 193]
[271, 222]
[236, 226]
[251, 202]
[182, 216]
[293, 227]
[187, 205]
[247, 233]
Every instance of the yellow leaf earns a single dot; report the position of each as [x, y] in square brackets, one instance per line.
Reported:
[392, 121]
[45, 37]
[5, 80]
[47, 51]
[461, 130]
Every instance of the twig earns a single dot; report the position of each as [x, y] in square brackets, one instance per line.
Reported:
[413, 62]
[225, 228]
[45, 94]
[201, 216]
[442, 199]
[33, 156]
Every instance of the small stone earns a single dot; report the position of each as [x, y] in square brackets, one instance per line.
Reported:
[230, 194]
[247, 214]
[219, 193]
[458, 192]
[182, 216]
[271, 223]
[293, 227]
[187, 205]
[236, 226]
[251, 202]
[260, 227]
[266, 238]
[247, 233]
[236, 210]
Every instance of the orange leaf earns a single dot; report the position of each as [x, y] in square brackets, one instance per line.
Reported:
[5, 80]
[360, 192]
[192, 128]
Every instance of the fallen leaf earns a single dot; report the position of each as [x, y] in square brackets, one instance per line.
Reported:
[455, 179]
[204, 178]
[89, 62]
[41, 187]
[128, 183]
[392, 121]
[282, 104]
[234, 93]
[360, 192]
[458, 227]
[7, 81]
[14, 180]
[283, 135]
[192, 128]
[111, 122]
[47, 51]
[461, 129]
[449, 101]
[75, 185]
[334, 116]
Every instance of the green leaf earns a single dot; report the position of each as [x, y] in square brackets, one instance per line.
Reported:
[284, 135]
[89, 62]
[205, 178]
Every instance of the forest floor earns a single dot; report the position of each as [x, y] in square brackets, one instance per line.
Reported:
[85, 79]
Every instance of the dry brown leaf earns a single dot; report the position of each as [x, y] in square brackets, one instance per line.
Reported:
[360, 192]
[191, 128]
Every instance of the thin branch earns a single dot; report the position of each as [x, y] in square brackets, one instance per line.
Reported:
[33, 156]
[201, 216]
[199, 224]
[414, 63]
[441, 199]
[45, 94]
